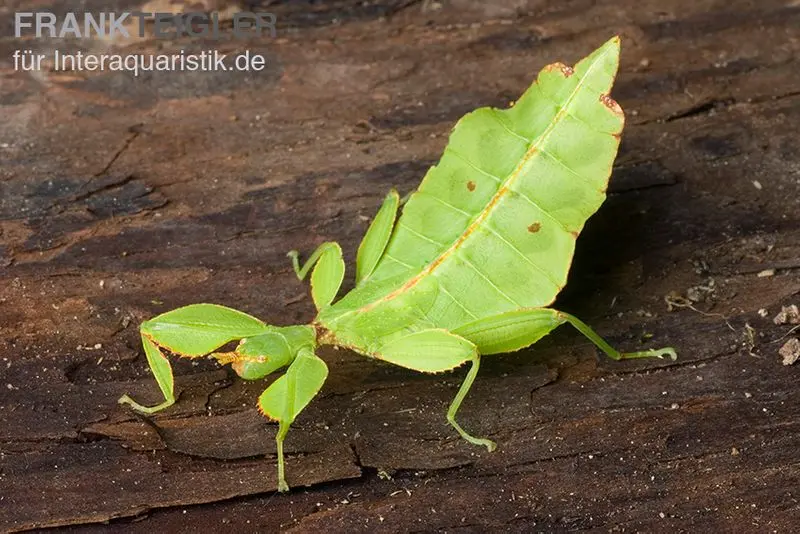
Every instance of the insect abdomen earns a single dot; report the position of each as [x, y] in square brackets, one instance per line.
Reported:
[493, 225]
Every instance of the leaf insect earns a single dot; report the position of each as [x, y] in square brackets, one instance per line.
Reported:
[468, 269]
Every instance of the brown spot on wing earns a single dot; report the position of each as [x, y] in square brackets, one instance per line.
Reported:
[552, 66]
[535, 227]
[533, 149]
[471, 185]
[611, 104]
[558, 66]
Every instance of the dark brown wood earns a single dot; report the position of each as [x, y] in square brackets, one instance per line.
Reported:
[121, 198]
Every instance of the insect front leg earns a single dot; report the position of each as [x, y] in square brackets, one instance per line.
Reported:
[162, 370]
[285, 398]
[191, 331]
[328, 273]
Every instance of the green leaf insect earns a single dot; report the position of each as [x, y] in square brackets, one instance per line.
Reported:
[468, 269]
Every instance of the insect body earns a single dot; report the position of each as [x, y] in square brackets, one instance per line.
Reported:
[467, 270]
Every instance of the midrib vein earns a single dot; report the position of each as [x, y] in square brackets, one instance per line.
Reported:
[501, 192]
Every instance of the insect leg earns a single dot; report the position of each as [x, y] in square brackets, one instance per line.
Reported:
[456, 404]
[510, 331]
[162, 370]
[328, 273]
[610, 351]
[429, 351]
[283, 429]
[190, 331]
[518, 329]
[504, 332]
[301, 272]
[435, 351]
[285, 398]
[377, 237]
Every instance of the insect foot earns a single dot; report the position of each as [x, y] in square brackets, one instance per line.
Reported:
[125, 399]
[651, 353]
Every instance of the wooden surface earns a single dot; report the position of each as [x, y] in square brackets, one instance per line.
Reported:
[121, 198]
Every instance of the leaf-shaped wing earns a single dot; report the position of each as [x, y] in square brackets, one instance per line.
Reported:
[495, 221]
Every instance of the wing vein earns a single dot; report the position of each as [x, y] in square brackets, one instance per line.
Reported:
[523, 256]
[577, 118]
[468, 162]
[496, 116]
[535, 146]
[458, 303]
[489, 281]
[418, 234]
[445, 203]
[537, 206]
[404, 264]
[565, 166]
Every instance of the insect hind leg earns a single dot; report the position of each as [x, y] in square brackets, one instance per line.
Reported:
[610, 351]
[456, 404]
